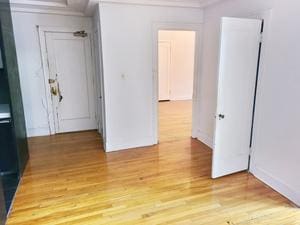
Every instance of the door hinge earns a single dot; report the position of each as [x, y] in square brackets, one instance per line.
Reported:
[249, 158]
[261, 38]
[249, 163]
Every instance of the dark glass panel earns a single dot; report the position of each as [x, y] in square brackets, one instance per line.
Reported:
[11, 71]
[2, 205]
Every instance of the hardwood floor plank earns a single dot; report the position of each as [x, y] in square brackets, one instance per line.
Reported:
[71, 180]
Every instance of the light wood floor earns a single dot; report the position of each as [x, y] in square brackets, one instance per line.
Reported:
[175, 121]
[70, 180]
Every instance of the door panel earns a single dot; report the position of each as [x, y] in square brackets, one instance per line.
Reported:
[239, 48]
[164, 59]
[70, 70]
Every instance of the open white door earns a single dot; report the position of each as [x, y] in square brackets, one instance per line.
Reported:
[239, 51]
[164, 59]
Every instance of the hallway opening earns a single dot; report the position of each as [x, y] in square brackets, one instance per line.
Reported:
[176, 72]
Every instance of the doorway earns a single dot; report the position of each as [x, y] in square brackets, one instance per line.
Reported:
[176, 72]
[69, 80]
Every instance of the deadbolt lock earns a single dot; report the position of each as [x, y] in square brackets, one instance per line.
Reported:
[51, 81]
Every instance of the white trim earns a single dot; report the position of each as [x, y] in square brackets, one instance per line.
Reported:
[21, 9]
[165, 3]
[48, 7]
[277, 184]
[97, 82]
[64, 8]
[62, 4]
[46, 76]
[97, 30]
[205, 138]
[94, 78]
[121, 145]
[40, 131]
[197, 27]
[170, 46]
[46, 73]
[64, 29]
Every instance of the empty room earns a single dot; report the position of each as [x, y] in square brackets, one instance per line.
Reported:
[149, 112]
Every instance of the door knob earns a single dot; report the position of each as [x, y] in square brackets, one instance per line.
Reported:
[221, 116]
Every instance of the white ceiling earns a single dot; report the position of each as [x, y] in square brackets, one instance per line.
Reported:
[85, 7]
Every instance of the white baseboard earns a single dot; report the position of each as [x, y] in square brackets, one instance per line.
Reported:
[277, 184]
[40, 131]
[206, 139]
[128, 144]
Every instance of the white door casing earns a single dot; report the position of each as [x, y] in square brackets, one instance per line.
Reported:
[99, 85]
[239, 49]
[164, 66]
[156, 27]
[70, 66]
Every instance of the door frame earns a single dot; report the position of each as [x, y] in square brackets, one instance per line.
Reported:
[266, 16]
[42, 30]
[173, 26]
[169, 43]
[98, 56]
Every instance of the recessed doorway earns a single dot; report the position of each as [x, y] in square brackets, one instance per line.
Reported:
[176, 72]
[69, 79]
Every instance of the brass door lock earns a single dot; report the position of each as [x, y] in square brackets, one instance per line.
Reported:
[54, 91]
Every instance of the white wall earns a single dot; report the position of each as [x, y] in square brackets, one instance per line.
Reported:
[127, 41]
[30, 65]
[182, 62]
[277, 125]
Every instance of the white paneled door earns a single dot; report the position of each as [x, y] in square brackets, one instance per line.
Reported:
[71, 82]
[164, 65]
[239, 53]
